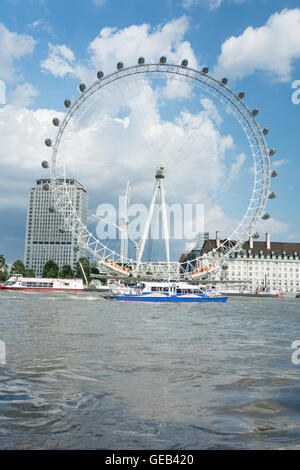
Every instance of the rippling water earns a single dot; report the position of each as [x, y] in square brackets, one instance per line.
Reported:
[85, 373]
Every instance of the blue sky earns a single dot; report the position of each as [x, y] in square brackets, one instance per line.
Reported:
[48, 47]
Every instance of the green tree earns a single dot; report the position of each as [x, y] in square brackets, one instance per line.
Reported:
[66, 272]
[85, 262]
[2, 262]
[18, 268]
[3, 269]
[50, 269]
[30, 273]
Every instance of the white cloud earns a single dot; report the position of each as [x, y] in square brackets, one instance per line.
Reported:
[13, 46]
[113, 45]
[22, 135]
[60, 61]
[41, 25]
[23, 95]
[273, 226]
[236, 167]
[271, 48]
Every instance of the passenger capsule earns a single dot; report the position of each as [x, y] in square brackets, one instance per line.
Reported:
[266, 216]
[205, 70]
[55, 122]
[46, 187]
[254, 112]
[265, 131]
[61, 230]
[45, 164]
[274, 173]
[76, 248]
[48, 142]
[82, 87]
[67, 103]
[52, 209]
[224, 81]
[272, 152]
[256, 235]
[272, 195]
[120, 65]
[141, 61]
[163, 60]
[184, 63]
[100, 75]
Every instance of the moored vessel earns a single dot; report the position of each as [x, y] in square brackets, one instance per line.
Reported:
[18, 282]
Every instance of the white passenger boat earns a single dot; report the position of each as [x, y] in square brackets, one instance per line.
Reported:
[164, 292]
[18, 282]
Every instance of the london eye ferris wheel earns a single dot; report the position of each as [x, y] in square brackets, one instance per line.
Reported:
[136, 77]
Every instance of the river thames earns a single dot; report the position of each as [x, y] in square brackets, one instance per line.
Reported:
[85, 373]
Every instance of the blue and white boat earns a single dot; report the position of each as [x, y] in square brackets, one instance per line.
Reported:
[164, 292]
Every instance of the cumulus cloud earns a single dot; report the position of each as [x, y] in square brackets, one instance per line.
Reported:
[13, 46]
[60, 61]
[113, 45]
[23, 95]
[271, 48]
[22, 133]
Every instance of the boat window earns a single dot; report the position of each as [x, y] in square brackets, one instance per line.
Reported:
[179, 291]
[153, 289]
[165, 289]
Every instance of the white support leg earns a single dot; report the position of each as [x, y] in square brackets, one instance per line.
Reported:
[165, 227]
[147, 226]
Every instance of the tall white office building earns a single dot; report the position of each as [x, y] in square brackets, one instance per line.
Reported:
[45, 238]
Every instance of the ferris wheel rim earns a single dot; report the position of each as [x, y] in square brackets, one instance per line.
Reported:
[219, 88]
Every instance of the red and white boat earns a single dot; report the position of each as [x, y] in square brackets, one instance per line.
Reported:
[18, 282]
